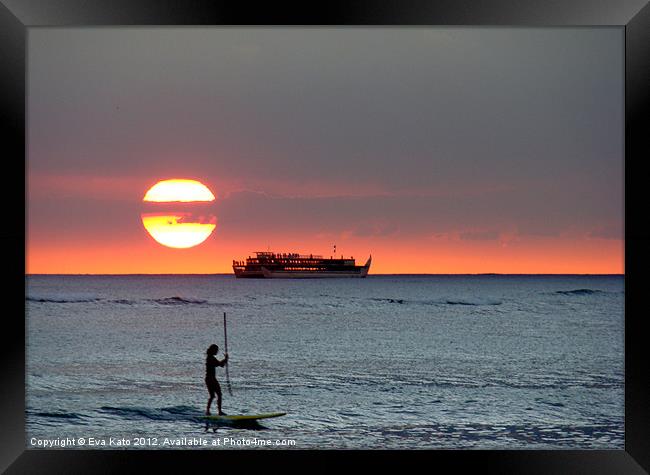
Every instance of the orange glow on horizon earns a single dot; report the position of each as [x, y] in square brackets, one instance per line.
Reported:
[215, 256]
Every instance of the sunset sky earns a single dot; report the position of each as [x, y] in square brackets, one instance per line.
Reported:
[436, 150]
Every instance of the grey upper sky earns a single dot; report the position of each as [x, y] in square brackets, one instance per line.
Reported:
[398, 130]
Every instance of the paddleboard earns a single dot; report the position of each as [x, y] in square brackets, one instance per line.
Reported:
[243, 417]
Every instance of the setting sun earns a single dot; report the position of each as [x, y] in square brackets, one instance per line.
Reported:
[180, 227]
[178, 190]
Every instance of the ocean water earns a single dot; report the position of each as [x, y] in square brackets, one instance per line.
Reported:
[387, 362]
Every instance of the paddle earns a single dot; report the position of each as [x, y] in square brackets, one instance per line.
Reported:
[225, 337]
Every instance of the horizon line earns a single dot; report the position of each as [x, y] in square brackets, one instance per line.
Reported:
[369, 275]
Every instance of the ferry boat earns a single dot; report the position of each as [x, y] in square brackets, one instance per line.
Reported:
[272, 265]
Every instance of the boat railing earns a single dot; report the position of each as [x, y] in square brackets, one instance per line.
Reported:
[285, 255]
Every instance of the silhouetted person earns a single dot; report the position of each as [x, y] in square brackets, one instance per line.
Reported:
[211, 362]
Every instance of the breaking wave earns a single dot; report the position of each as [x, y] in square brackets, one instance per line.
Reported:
[172, 413]
[388, 300]
[579, 292]
[160, 301]
[470, 302]
[178, 301]
[58, 415]
[61, 300]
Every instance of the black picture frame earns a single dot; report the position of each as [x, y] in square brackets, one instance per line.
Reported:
[16, 16]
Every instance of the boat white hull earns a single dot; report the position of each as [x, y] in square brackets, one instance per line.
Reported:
[312, 275]
[359, 274]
